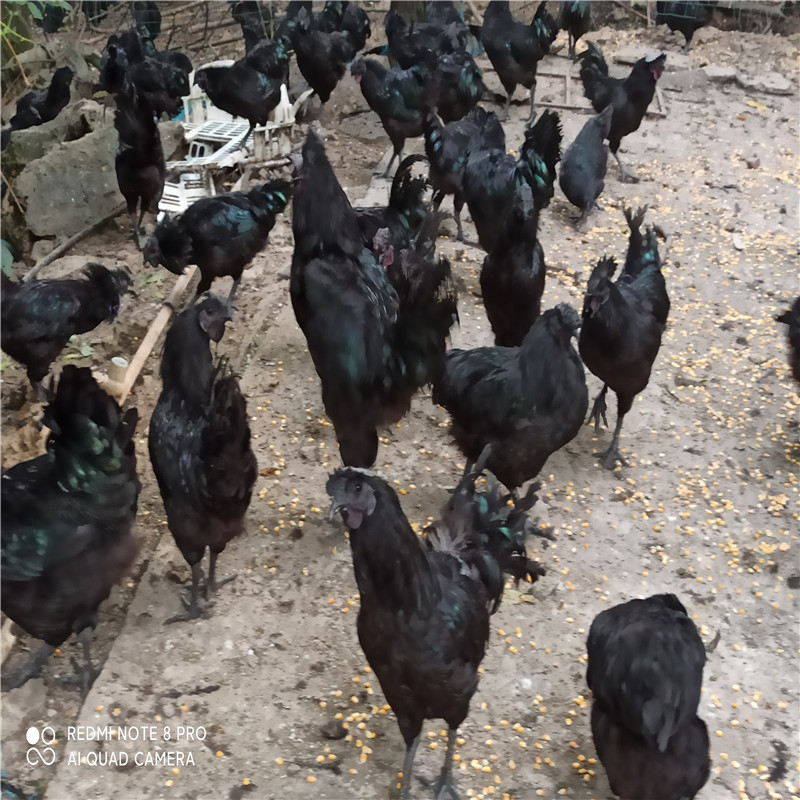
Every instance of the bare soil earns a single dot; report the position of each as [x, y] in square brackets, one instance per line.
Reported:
[708, 507]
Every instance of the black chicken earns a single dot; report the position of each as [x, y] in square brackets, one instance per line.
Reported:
[374, 344]
[221, 234]
[270, 57]
[67, 519]
[113, 67]
[514, 49]
[323, 57]
[512, 278]
[139, 161]
[458, 85]
[685, 17]
[242, 90]
[410, 44]
[147, 18]
[423, 622]
[255, 19]
[575, 18]
[200, 444]
[623, 322]
[629, 97]
[791, 318]
[405, 213]
[645, 670]
[492, 176]
[163, 84]
[396, 96]
[448, 148]
[526, 402]
[583, 167]
[36, 108]
[38, 317]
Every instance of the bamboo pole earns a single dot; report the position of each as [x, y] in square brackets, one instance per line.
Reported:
[151, 337]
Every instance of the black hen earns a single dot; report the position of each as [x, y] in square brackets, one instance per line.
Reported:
[491, 177]
[67, 520]
[38, 317]
[255, 19]
[448, 147]
[629, 97]
[374, 344]
[323, 57]
[405, 213]
[113, 66]
[139, 161]
[413, 44]
[162, 83]
[423, 622]
[791, 318]
[242, 90]
[514, 49]
[685, 17]
[623, 322]
[526, 402]
[645, 670]
[36, 108]
[512, 278]
[583, 167]
[575, 18]
[220, 234]
[458, 85]
[200, 443]
[396, 96]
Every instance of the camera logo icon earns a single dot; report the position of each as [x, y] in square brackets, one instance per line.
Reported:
[43, 754]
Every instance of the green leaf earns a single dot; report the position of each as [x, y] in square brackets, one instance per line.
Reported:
[157, 279]
[72, 355]
[87, 350]
[35, 11]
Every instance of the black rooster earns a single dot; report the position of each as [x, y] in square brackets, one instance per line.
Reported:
[374, 341]
[448, 147]
[405, 213]
[623, 322]
[139, 160]
[255, 19]
[411, 44]
[423, 622]
[514, 49]
[575, 18]
[512, 278]
[791, 318]
[36, 108]
[458, 85]
[67, 520]
[685, 17]
[38, 317]
[220, 234]
[583, 167]
[200, 444]
[526, 402]
[491, 177]
[629, 97]
[113, 67]
[396, 96]
[645, 670]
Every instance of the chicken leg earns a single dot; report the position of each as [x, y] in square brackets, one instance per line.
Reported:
[31, 668]
[624, 175]
[397, 153]
[408, 768]
[532, 115]
[86, 674]
[211, 584]
[445, 787]
[233, 292]
[599, 409]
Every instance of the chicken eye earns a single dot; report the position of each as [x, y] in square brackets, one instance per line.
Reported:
[358, 487]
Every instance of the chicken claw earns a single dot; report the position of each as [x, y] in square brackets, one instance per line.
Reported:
[599, 410]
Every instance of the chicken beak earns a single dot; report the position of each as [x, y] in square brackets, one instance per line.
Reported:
[336, 506]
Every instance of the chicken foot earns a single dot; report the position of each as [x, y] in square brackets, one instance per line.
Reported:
[612, 455]
[532, 115]
[193, 608]
[212, 585]
[445, 787]
[408, 767]
[31, 668]
[599, 410]
[87, 674]
[624, 175]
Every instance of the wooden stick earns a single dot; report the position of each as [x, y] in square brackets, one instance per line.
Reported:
[65, 245]
[13, 194]
[7, 639]
[475, 13]
[151, 337]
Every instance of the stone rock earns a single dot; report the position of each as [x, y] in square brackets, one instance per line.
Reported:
[720, 74]
[683, 81]
[769, 83]
[73, 185]
[753, 162]
[676, 62]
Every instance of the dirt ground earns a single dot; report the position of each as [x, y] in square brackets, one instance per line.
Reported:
[707, 509]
